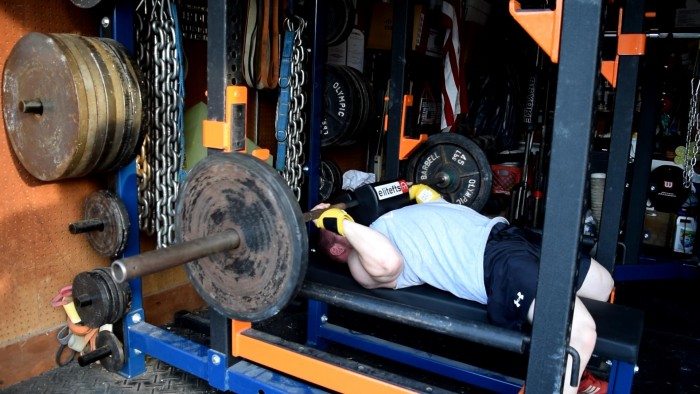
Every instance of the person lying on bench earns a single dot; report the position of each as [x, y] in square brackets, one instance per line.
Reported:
[456, 249]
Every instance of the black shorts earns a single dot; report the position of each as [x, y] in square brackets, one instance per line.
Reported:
[511, 267]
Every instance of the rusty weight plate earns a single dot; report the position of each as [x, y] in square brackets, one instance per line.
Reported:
[96, 103]
[50, 142]
[105, 79]
[105, 206]
[238, 192]
[111, 154]
[135, 88]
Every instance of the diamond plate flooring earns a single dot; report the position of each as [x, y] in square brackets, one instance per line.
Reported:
[71, 379]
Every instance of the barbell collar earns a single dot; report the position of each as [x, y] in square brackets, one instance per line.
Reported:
[159, 260]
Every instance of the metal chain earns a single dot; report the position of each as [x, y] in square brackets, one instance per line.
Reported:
[146, 185]
[692, 136]
[160, 161]
[292, 172]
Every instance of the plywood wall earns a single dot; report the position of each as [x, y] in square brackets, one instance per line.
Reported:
[38, 256]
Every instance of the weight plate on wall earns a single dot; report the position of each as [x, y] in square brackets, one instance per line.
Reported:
[239, 192]
[454, 166]
[47, 135]
[105, 206]
[115, 361]
[96, 103]
[340, 117]
[330, 180]
[93, 299]
[340, 20]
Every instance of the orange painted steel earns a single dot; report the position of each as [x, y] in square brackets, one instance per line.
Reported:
[216, 134]
[304, 367]
[408, 145]
[543, 25]
[629, 44]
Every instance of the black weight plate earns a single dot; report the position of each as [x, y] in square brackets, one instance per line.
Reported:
[115, 361]
[339, 112]
[363, 97]
[328, 179]
[340, 20]
[105, 206]
[114, 311]
[92, 299]
[121, 293]
[459, 163]
[238, 192]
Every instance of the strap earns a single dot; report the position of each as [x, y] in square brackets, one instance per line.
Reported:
[274, 72]
[262, 52]
[249, 43]
[282, 120]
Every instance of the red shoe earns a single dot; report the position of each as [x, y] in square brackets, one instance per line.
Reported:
[591, 384]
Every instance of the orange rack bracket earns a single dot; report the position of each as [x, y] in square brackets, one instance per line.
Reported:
[224, 135]
[408, 145]
[544, 26]
[629, 44]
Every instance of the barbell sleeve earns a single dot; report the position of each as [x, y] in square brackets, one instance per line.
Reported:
[177, 254]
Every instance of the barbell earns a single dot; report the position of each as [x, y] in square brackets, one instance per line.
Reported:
[242, 236]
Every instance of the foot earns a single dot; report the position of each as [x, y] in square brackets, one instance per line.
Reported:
[591, 384]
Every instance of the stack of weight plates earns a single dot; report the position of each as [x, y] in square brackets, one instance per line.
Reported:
[348, 106]
[72, 105]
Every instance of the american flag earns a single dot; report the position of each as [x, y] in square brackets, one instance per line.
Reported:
[454, 91]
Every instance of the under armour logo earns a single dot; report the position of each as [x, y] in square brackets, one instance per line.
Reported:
[517, 300]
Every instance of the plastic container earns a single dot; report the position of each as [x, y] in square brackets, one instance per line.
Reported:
[684, 237]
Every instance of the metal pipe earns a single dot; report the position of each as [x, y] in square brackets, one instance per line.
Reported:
[174, 255]
[473, 331]
[33, 106]
[86, 226]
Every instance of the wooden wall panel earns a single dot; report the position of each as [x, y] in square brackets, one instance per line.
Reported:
[38, 256]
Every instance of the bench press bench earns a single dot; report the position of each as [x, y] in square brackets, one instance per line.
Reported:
[619, 327]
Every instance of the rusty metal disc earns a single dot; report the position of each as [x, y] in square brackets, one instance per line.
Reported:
[108, 87]
[105, 206]
[239, 192]
[44, 105]
[96, 103]
[111, 154]
[134, 108]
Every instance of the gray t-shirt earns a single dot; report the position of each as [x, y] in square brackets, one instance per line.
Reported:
[442, 245]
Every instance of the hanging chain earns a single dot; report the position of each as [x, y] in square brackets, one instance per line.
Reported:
[292, 172]
[692, 136]
[146, 185]
[160, 161]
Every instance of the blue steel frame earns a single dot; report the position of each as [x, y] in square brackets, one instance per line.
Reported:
[320, 331]
[142, 338]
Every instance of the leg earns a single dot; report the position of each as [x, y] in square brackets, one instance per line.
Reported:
[583, 337]
[598, 283]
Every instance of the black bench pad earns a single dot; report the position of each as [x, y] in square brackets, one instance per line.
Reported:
[619, 327]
